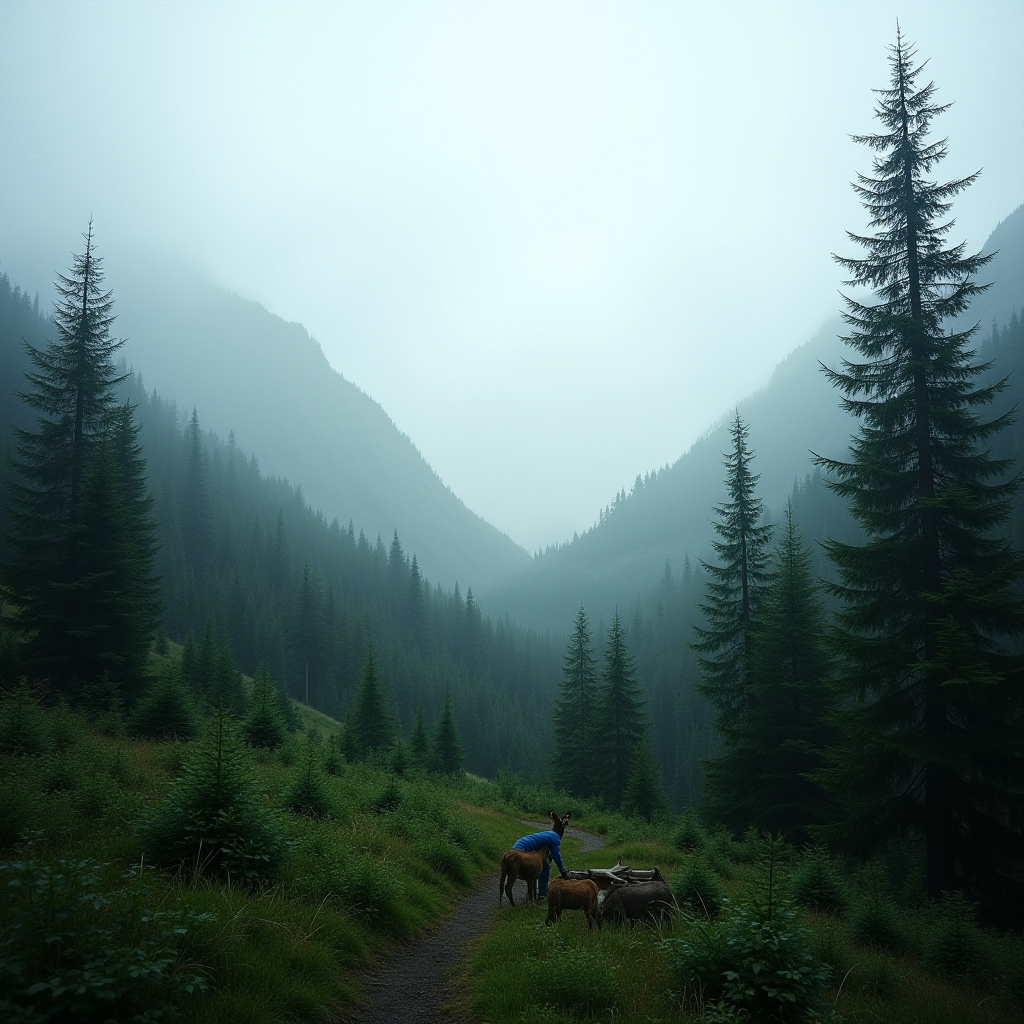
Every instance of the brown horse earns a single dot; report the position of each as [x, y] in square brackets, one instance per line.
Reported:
[527, 864]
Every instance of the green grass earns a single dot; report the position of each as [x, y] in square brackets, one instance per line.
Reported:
[521, 971]
[386, 862]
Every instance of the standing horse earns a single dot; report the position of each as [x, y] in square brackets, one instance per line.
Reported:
[527, 865]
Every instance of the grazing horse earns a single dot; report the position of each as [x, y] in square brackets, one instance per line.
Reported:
[573, 894]
[528, 864]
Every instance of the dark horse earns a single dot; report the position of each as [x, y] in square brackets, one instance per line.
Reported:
[527, 865]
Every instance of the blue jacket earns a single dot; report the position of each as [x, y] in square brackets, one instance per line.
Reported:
[536, 840]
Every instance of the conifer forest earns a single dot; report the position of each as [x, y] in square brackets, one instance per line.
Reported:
[262, 730]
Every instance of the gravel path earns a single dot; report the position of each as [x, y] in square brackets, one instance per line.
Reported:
[412, 987]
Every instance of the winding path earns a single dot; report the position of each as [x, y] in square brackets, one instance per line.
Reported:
[412, 988]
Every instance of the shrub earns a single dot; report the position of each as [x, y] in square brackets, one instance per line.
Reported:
[956, 946]
[264, 726]
[167, 710]
[389, 798]
[22, 728]
[446, 858]
[817, 884]
[756, 959]
[212, 818]
[874, 918]
[65, 728]
[689, 835]
[762, 966]
[16, 811]
[360, 884]
[308, 794]
[74, 949]
[61, 772]
[697, 889]
[100, 701]
[723, 847]
[334, 760]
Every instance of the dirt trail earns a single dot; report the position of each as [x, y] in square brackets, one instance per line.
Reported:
[412, 987]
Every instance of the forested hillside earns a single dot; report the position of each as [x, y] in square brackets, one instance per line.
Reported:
[267, 380]
[246, 565]
[665, 515]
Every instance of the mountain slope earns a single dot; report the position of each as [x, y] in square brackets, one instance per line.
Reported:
[670, 517]
[249, 371]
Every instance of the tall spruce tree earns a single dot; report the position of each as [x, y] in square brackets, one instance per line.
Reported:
[419, 741]
[62, 599]
[933, 720]
[448, 753]
[195, 498]
[370, 726]
[733, 593]
[574, 711]
[619, 721]
[763, 779]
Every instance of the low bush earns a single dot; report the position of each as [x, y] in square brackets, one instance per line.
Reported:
[213, 820]
[308, 793]
[689, 835]
[264, 725]
[874, 919]
[816, 883]
[361, 885]
[445, 858]
[75, 947]
[697, 889]
[956, 946]
[16, 811]
[758, 965]
[22, 726]
[167, 711]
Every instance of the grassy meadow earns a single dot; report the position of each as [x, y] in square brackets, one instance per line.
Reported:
[92, 929]
[869, 946]
[332, 865]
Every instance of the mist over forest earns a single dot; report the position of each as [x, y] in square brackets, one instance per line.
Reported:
[260, 655]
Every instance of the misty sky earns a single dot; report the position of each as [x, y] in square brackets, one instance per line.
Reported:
[556, 241]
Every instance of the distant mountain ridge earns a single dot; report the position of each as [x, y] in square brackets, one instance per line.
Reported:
[251, 372]
[669, 519]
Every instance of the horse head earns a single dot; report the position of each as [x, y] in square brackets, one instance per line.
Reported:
[560, 823]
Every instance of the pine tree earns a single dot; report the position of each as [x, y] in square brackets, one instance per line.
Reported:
[934, 723]
[733, 592]
[308, 638]
[574, 711]
[644, 796]
[448, 755]
[763, 779]
[213, 818]
[264, 726]
[167, 710]
[369, 727]
[415, 605]
[72, 388]
[619, 722]
[138, 585]
[419, 741]
[195, 498]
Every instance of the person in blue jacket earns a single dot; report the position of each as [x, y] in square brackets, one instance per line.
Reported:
[535, 841]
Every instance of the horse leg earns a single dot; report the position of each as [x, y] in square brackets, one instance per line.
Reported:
[513, 874]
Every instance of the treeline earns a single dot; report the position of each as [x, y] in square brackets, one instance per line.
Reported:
[244, 566]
